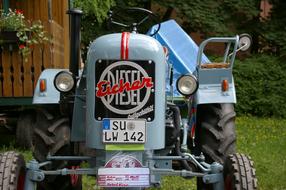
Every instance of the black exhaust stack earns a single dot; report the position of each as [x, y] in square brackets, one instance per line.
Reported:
[75, 18]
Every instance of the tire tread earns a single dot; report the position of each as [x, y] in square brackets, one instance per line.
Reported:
[24, 130]
[215, 133]
[244, 172]
[10, 165]
[52, 135]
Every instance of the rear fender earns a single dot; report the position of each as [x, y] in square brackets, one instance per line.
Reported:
[210, 87]
[212, 75]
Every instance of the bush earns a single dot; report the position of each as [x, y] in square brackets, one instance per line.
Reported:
[261, 86]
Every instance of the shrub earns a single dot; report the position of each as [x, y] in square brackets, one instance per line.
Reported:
[261, 86]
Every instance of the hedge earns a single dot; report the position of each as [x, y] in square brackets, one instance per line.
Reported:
[261, 86]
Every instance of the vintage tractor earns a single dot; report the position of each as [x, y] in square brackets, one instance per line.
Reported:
[120, 114]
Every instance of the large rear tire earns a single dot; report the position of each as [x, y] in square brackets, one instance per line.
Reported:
[12, 171]
[52, 135]
[25, 129]
[215, 135]
[239, 173]
[215, 132]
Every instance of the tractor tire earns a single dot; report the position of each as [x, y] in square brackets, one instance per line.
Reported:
[25, 129]
[215, 132]
[239, 173]
[52, 135]
[12, 171]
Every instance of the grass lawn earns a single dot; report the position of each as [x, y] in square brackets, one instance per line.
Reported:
[263, 139]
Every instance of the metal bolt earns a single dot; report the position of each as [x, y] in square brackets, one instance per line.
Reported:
[150, 61]
[99, 61]
[130, 126]
[149, 119]
[99, 118]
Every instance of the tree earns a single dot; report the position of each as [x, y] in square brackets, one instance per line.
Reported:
[95, 12]
[274, 27]
[215, 17]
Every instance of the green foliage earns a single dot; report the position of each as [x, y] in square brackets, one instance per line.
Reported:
[95, 13]
[96, 8]
[260, 86]
[215, 17]
[229, 17]
[274, 28]
[11, 21]
[29, 33]
[131, 3]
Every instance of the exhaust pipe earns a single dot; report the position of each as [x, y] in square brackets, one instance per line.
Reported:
[75, 18]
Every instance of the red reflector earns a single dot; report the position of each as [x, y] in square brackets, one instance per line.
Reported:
[43, 86]
[224, 85]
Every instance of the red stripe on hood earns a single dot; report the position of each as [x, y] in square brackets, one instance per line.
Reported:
[124, 51]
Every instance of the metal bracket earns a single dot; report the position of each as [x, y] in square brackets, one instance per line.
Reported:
[216, 177]
[211, 178]
[34, 174]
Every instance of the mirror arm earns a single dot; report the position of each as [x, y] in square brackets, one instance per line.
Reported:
[236, 51]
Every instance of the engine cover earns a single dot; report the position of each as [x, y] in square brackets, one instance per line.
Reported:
[126, 80]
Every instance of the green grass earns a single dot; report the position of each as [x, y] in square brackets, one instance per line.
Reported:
[263, 139]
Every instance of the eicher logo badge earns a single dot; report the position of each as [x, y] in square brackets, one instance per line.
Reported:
[124, 87]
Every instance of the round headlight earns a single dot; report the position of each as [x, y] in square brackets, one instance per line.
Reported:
[187, 85]
[64, 81]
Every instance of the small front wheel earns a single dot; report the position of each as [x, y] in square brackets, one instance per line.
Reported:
[239, 173]
[12, 171]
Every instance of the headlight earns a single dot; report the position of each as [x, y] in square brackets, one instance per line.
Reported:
[187, 85]
[64, 81]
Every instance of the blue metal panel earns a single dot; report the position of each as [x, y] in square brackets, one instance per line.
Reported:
[212, 93]
[51, 95]
[183, 50]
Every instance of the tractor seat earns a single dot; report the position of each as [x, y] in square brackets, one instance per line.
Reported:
[214, 65]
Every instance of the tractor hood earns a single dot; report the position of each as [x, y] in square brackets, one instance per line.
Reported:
[182, 49]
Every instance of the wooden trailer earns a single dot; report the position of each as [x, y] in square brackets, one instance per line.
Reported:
[17, 77]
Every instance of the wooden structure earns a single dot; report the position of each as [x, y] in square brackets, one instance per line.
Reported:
[18, 78]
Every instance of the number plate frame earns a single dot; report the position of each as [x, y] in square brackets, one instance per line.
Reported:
[126, 128]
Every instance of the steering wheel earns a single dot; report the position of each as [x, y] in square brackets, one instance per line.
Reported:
[134, 18]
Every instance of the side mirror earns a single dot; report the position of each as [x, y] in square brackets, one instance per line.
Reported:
[245, 41]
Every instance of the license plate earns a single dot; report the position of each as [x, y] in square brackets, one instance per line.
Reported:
[123, 177]
[124, 131]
